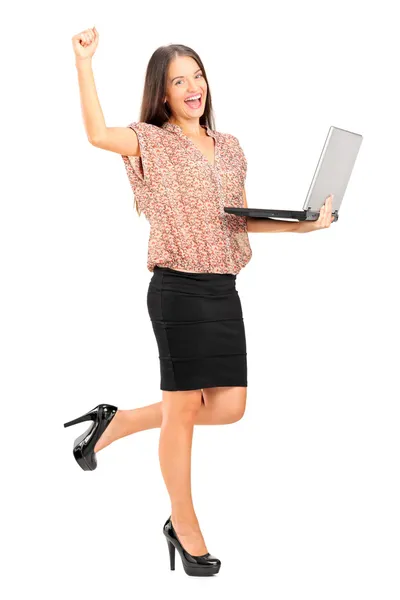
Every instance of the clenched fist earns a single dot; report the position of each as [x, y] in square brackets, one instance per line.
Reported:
[85, 43]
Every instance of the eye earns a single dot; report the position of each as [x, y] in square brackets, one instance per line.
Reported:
[180, 80]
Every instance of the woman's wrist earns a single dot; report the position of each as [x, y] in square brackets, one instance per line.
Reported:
[83, 62]
[305, 226]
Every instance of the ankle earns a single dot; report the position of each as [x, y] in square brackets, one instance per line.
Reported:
[122, 423]
[185, 525]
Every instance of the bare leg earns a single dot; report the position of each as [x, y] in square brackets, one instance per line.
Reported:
[176, 415]
[179, 410]
[127, 422]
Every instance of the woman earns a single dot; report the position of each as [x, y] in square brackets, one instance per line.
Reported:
[182, 172]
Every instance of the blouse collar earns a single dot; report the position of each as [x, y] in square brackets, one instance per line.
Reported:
[177, 129]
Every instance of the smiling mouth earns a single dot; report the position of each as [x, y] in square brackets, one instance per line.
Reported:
[194, 104]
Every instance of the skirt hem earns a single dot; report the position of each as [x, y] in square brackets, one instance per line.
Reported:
[212, 385]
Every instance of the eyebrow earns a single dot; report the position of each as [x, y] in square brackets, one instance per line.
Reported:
[181, 76]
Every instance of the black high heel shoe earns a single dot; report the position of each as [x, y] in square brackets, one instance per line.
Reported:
[206, 564]
[84, 453]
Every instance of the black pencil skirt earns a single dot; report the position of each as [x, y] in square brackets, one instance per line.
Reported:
[198, 324]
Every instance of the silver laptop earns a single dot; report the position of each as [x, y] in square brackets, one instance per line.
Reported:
[331, 176]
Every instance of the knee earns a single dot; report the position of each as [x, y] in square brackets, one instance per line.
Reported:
[181, 407]
[236, 411]
[237, 407]
[228, 403]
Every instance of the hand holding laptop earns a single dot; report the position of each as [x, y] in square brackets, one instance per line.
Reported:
[332, 175]
[324, 220]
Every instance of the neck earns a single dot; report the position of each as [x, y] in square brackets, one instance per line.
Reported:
[190, 127]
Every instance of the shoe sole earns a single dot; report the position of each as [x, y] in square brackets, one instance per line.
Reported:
[80, 459]
[199, 571]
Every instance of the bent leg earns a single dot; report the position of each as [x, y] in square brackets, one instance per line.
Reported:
[222, 405]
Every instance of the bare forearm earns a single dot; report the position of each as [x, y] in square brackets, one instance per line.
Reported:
[271, 225]
[93, 117]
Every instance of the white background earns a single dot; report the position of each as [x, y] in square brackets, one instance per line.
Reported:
[299, 499]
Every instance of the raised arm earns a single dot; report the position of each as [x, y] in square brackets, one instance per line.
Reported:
[122, 140]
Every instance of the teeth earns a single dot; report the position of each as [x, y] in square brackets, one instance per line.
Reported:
[193, 97]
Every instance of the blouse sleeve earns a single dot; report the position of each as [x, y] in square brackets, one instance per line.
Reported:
[140, 168]
[241, 158]
[234, 181]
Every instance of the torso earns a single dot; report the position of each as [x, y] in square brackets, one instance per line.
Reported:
[182, 187]
[206, 145]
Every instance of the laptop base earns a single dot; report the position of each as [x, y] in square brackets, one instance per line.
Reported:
[263, 213]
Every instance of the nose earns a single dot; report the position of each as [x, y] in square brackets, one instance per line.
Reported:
[193, 88]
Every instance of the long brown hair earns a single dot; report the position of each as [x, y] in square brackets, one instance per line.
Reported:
[153, 109]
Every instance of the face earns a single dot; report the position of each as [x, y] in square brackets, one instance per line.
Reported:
[185, 79]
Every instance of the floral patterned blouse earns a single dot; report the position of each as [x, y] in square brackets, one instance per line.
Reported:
[182, 195]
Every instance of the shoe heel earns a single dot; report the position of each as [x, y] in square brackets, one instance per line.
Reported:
[171, 549]
[86, 417]
[84, 445]
[205, 564]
